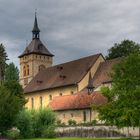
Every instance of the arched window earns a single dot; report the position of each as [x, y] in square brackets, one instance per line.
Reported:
[28, 71]
[50, 97]
[84, 116]
[24, 71]
[41, 67]
[32, 103]
[40, 101]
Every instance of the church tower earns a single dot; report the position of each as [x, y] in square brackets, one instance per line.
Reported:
[34, 58]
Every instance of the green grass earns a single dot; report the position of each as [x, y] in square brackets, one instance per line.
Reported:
[79, 139]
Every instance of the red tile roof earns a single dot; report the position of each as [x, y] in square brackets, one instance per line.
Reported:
[80, 100]
[69, 73]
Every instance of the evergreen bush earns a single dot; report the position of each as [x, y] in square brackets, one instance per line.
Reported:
[42, 120]
[24, 122]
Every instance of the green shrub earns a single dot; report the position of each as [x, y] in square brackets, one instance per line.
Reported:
[58, 122]
[25, 124]
[43, 119]
[49, 132]
[10, 105]
[94, 122]
[87, 124]
[61, 124]
[71, 122]
[13, 133]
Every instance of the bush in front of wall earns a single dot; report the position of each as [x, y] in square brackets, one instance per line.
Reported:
[58, 122]
[71, 122]
[24, 123]
[94, 122]
[43, 119]
[49, 132]
[13, 133]
[35, 123]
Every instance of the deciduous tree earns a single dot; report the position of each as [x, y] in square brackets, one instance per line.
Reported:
[123, 107]
[124, 48]
[11, 102]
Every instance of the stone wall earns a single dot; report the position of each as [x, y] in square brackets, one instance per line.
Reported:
[97, 131]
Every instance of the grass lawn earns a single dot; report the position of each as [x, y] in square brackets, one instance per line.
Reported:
[79, 139]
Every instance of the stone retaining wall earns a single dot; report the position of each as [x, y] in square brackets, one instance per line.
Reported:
[97, 131]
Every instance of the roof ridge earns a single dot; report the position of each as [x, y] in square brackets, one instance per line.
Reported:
[77, 59]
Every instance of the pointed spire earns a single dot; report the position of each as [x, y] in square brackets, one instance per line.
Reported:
[90, 86]
[35, 30]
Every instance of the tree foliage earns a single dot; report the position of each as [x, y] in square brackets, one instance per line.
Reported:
[43, 118]
[24, 123]
[3, 58]
[39, 123]
[124, 48]
[123, 107]
[11, 73]
[11, 102]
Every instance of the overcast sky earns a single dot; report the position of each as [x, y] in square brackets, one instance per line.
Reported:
[70, 29]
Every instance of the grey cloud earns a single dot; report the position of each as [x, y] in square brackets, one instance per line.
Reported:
[70, 28]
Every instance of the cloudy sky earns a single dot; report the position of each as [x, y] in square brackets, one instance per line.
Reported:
[69, 28]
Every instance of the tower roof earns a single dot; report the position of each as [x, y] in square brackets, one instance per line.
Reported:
[36, 46]
[35, 28]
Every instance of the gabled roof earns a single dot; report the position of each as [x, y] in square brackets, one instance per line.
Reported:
[103, 73]
[81, 100]
[36, 47]
[69, 73]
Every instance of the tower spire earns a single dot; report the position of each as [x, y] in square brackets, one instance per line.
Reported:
[35, 30]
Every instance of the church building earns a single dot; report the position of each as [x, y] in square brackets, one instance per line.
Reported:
[71, 88]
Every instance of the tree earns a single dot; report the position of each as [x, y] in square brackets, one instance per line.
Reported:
[11, 102]
[123, 107]
[3, 58]
[124, 48]
[16, 89]
[11, 73]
